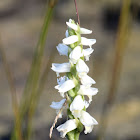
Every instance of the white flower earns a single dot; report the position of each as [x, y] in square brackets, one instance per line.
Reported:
[70, 40]
[86, 104]
[65, 86]
[61, 68]
[61, 80]
[62, 49]
[75, 54]
[67, 127]
[58, 106]
[77, 105]
[87, 52]
[75, 27]
[87, 42]
[86, 80]
[74, 38]
[81, 66]
[89, 91]
[88, 121]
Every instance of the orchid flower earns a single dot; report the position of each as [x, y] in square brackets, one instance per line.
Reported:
[64, 85]
[67, 127]
[61, 68]
[58, 106]
[87, 120]
[85, 79]
[75, 27]
[87, 52]
[62, 49]
[75, 54]
[81, 66]
[89, 91]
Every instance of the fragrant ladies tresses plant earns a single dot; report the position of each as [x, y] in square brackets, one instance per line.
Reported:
[76, 84]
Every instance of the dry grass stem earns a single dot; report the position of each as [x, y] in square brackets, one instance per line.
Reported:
[56, 118]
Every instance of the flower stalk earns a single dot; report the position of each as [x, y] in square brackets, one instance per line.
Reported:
[76, 84]
[77, 12]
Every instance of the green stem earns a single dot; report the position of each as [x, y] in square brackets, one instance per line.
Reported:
[77, 134]
[70, 135]
[30, 91]
[41, 86]
[73, 135]
[34, 93]
[33, 78]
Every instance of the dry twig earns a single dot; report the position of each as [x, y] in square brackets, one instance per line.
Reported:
[56, 118]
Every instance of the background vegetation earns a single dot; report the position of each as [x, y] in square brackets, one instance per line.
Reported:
[28, 47]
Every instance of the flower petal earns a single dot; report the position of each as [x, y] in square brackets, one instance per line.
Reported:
[87, 42]
[86, 119]
[70, 40]
[67, 33]
[62, 49]
[66, 86]
[75, 54]
[58, 105]
[85, 31]
[67, 127]
[86, 104]
[72, 26]
[77, 103]
[89, 91]
[61, 80]
[88, 129]
[81, 66]
[87, 52]
[60, 68]
[75, 27]
[86, 80]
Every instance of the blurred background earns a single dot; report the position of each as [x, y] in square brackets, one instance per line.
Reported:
[20, 26]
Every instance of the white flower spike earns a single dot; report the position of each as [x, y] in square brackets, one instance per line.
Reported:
[76, 84]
